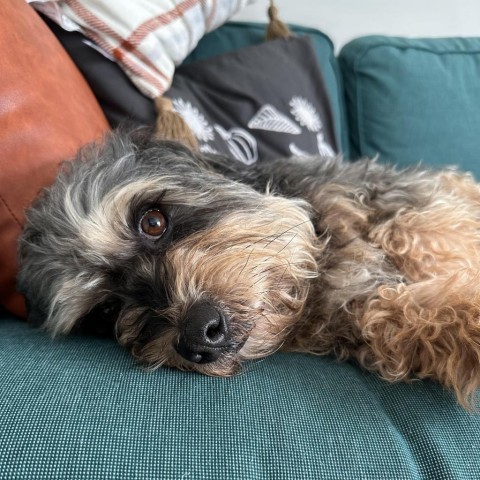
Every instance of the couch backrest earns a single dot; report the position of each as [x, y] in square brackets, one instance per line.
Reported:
[411, 100]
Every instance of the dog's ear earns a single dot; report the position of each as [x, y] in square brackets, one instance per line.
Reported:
[70, 303]
[55, 299]
[101, 319]
[34, 300]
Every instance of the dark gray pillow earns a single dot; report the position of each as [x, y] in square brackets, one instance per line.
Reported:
[264, 101]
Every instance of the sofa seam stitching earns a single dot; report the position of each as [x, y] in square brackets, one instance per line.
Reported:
[10, 211]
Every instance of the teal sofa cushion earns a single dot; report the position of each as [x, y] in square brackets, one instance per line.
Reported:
[236, 35]
[79, 408]
[414, 101]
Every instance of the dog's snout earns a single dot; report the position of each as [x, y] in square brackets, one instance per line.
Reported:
[204, 334]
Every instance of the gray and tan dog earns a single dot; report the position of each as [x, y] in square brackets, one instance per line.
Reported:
[200, 263]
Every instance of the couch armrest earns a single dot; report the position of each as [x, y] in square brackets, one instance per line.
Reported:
[47, 112]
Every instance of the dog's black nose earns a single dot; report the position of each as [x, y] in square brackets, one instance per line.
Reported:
[204, 334]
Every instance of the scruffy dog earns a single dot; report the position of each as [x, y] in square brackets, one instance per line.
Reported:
[200, 263]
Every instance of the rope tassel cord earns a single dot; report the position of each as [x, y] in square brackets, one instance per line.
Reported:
[276, 28]
[171, 126]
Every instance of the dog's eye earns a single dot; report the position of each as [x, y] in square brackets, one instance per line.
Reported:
[153, 223]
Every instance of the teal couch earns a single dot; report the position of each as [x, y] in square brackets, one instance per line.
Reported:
[79, 407]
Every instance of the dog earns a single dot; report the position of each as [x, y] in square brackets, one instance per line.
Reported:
[198, 262]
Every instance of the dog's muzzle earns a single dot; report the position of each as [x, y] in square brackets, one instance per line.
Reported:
[205, 334]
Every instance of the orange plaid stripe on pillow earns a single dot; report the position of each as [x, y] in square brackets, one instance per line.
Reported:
[148, 38]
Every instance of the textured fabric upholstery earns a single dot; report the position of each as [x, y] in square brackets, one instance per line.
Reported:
[80, 408]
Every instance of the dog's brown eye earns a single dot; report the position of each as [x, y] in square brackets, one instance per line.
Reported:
[153, 223]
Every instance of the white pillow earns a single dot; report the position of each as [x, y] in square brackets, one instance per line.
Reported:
[146, 37]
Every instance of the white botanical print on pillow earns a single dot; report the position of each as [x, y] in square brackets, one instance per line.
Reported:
[297, 151]
[194, 119]
[269, 118]
[324, 148]
[305, 113]
[206, 148]
[241, 144]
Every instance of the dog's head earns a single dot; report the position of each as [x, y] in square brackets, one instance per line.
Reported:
[194, 270]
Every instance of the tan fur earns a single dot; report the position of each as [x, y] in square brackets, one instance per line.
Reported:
[428, 324]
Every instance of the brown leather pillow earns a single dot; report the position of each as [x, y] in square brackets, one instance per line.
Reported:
[47, 112]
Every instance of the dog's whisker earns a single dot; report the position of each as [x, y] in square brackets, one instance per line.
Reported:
[265, 271]
[286, 231]
[246, 263]
[279, 283]
[287, 244]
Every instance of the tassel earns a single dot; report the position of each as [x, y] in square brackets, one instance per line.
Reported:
[171, 126]
[276, 28]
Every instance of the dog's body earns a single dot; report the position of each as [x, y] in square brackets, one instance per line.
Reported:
[201, 263]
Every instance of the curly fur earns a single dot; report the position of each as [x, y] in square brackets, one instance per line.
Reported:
[359, 260]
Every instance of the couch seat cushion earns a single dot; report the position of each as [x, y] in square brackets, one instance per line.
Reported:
[79, 407]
